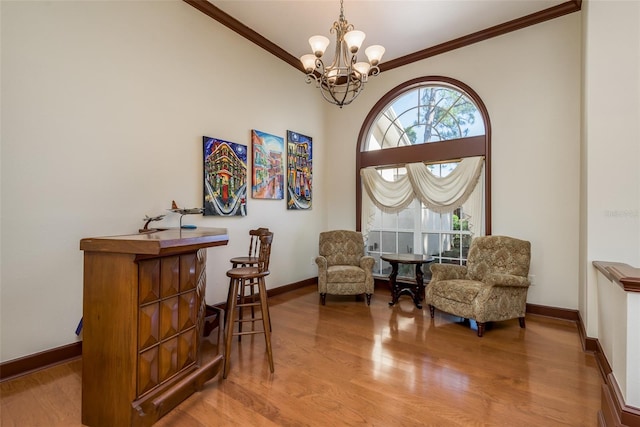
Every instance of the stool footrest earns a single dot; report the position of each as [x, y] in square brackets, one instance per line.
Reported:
[248, 304]
[254, 319]
[235, 334]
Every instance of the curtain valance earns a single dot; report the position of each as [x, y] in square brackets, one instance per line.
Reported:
[440, 194]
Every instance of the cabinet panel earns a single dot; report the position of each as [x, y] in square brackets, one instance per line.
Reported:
[168, 317]
[149, 280]
[168, 363]
[187, 311]
[168, 341]
[148, 325]
[187, 348]
[170, 276]
[148, 370]
[201, 286]
[188, 274]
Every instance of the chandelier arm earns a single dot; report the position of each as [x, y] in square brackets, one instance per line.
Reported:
[312, 77]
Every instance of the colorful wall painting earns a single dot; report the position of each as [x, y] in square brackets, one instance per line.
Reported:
[225, 177]
[267, 179]
[299, 171]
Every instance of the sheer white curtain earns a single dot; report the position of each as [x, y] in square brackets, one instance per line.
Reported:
[473, 207]
[440, 194]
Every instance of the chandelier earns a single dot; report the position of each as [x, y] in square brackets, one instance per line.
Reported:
[342, 81]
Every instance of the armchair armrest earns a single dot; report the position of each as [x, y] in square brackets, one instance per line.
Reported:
[367, 262]
[447, 272]
[321, 262]
[498, 279]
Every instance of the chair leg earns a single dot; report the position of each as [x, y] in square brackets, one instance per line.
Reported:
[521, 319]
[481, 326]
[369, 299]
[227, 311]
[266, 320]
[229, 326]
[253, 299]
[241, 300]
[432, 311]
[323, 298]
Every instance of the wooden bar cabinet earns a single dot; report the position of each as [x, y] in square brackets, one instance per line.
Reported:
[143, 315]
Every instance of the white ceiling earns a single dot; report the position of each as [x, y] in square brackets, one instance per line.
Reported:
[401, 26]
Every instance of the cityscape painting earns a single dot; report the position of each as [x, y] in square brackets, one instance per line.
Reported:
[299, 171]
[268, 166]
[225, 177]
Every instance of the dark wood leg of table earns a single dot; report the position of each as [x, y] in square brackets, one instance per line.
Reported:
[395, 292]
[418, 295]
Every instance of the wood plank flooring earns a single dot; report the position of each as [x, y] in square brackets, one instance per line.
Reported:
[349, 364]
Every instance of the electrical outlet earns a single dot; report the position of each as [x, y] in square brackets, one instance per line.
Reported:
[313, 260]
[532, 279]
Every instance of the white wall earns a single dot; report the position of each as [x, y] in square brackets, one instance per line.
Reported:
[530, 83]
[104, 105]
[611, 144]
[611, 140]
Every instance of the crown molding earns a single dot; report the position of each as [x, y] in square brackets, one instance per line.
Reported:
[488, 33]
[233, 24]
[535, 18]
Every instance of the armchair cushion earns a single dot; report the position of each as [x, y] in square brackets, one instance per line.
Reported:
[345, 273]
[464, 291]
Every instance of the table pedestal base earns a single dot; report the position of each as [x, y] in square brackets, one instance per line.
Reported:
[415, 290]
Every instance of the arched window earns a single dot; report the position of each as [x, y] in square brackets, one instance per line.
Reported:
[416, 136]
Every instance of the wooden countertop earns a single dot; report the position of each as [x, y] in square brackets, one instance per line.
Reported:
[157, 242]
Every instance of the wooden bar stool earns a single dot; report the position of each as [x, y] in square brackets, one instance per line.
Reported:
[240, 277]
[244, 261]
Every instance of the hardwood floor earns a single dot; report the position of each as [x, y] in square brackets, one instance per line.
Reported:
[347, 364]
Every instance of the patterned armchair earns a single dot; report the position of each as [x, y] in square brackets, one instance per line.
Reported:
[491, 287]
[343, 269]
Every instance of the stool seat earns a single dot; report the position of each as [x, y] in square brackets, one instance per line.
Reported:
[246, 273]
[244, 260]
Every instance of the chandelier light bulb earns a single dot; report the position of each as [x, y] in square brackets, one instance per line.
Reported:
[374, 54]
[318, 45]
[354, 39]
[362, 68]
[308, 62]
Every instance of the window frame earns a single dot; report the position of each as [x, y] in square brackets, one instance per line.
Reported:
[440, 151]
